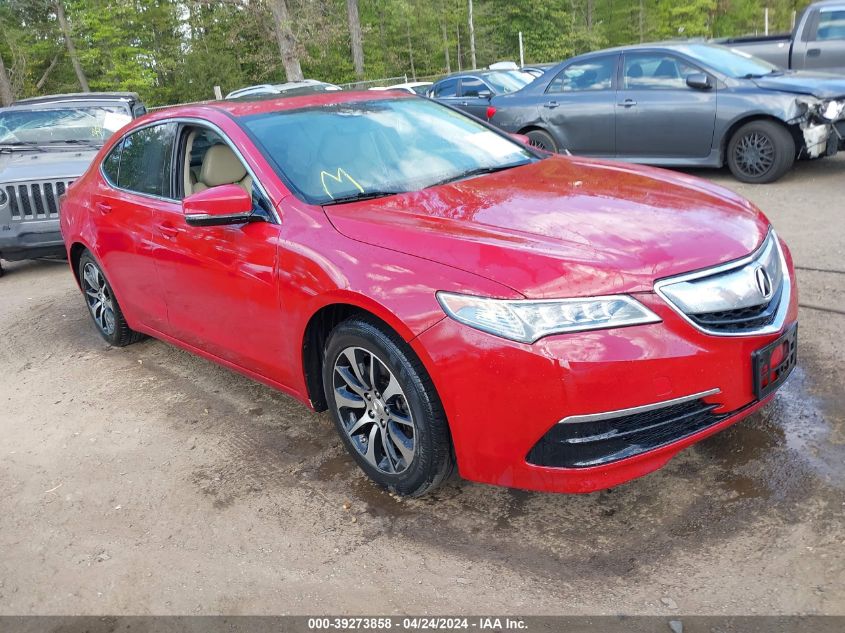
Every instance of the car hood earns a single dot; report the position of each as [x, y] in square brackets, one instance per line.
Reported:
[56, 164]
[821, 85]
[564, 226]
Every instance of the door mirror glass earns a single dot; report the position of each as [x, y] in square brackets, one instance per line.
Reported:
[699, 81]
[218, 206]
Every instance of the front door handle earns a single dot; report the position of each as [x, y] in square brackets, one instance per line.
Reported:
[104, 208]
[169, 231]
[551, 105]
[814, 52]
[628, 103]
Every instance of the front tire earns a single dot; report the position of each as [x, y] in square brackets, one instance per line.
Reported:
[102, 304]
[385, 408]
[760, 152]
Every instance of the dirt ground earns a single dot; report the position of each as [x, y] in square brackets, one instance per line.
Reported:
[147, 481]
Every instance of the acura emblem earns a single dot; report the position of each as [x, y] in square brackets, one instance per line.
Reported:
[764, 283]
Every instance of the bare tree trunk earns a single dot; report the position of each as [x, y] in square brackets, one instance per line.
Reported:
[460, 59]
[446, 48]
[591, 9]
[286, 40]
[71, 49]
[642, 35]
[6, 97]
[472, 38]
[356, 37]
[410, 47]
[43, 80]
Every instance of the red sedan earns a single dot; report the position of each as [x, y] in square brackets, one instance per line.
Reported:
[452, 296]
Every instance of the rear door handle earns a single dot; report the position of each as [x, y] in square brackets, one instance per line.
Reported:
[104, 208]
[628, 103]
[814, 52]
[169, 231]
[551, 105]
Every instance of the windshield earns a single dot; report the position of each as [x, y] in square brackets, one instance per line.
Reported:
[506, 81]
[344, 151]
[730, 61]
[85, 124]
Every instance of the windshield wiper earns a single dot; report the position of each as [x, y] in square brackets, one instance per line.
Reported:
[27, 144]
[361, 195]
[77, 141]
[771, 73]
[478, 171]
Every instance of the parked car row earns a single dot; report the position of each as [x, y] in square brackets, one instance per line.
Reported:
[681, 105]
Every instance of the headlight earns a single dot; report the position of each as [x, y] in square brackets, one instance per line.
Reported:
[832, 110]
[528, 320]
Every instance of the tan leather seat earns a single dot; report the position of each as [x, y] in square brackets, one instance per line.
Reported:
[220, 166]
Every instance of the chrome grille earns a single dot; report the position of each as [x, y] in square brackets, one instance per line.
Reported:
[749, 296]
[35, 200]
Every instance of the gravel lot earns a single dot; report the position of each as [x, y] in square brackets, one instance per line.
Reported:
[145, 480]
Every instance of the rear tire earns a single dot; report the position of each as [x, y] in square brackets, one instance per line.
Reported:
[102, 304]
[760, 152]
[385, 408]
[542, 140]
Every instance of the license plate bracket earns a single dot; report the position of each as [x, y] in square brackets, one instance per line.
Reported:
[773, 364]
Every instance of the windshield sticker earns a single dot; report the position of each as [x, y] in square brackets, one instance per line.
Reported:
[326, 178]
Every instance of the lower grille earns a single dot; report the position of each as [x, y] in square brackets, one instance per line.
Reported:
[601, 441]
[36, 200]
[743, 319]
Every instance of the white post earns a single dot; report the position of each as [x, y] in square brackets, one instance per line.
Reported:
[521, 52]
[218, 94]
[766, 14]
[794, 17]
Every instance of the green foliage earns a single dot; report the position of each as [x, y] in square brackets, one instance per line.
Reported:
[178, 50]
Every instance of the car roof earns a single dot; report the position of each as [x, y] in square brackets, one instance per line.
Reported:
[676, 45]
[480, 73]
[262, 104]
[79, 96]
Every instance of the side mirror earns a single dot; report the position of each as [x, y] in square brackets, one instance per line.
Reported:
[138, 111]
[484, 94]
[699, 81]
[218, 206]
[520, 138]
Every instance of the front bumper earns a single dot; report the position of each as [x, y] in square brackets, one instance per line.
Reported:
[26, 240]
[502, 397]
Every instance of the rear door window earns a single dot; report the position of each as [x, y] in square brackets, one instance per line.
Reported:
[591, 74]
[146, 161]
[446, 88]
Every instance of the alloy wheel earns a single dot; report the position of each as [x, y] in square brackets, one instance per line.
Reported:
[755, 154]
[374, 410]
[99, 298]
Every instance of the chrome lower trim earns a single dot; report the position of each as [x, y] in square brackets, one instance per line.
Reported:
[619, 413]
[783, 308]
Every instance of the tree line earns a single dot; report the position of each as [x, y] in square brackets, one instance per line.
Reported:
[173, 51]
